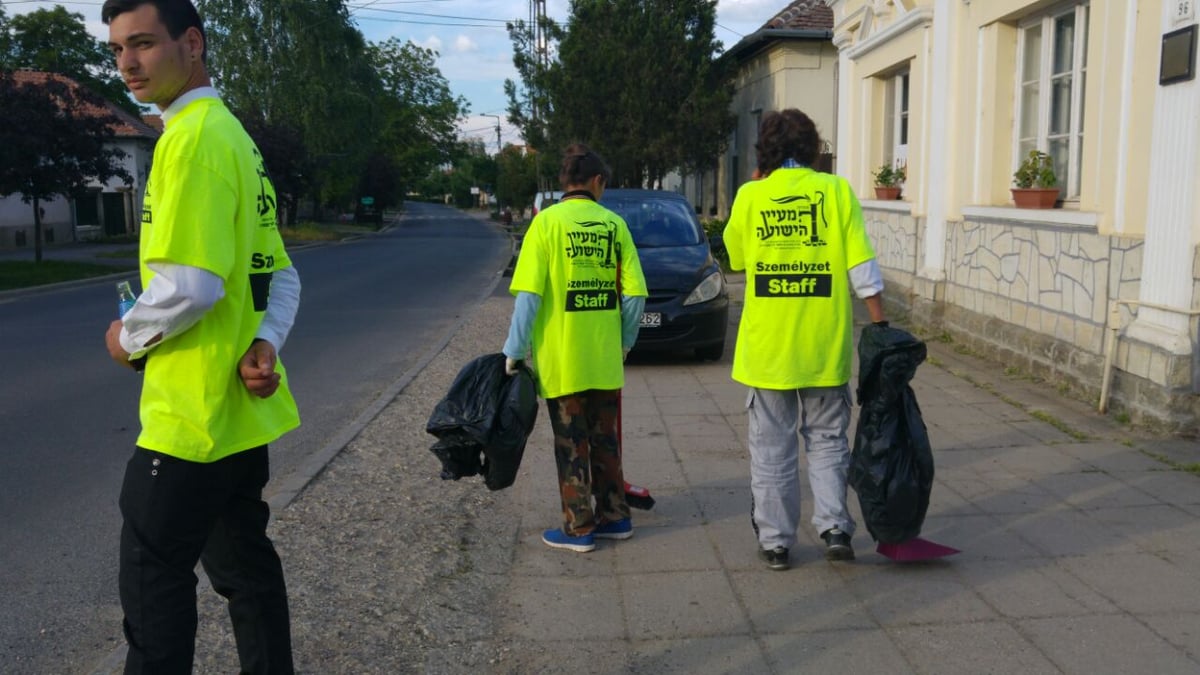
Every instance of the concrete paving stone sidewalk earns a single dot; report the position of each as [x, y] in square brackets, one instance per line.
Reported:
[1079, 547]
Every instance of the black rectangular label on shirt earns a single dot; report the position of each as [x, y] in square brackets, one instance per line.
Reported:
[793, 285]
[591, 301]
[260, 290]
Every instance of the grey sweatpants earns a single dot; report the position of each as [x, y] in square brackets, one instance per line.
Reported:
[778, 418]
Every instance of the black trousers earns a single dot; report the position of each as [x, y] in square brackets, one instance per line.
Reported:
[177, 513]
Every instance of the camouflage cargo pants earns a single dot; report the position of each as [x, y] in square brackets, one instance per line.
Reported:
[588, 455]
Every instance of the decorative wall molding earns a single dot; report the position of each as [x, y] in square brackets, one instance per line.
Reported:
[869, 41]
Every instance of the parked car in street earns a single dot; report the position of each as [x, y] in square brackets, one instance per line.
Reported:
[688, 303]
[545, 198]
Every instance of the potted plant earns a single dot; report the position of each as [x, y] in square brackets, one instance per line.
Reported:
[1035, 181]
[887, 181]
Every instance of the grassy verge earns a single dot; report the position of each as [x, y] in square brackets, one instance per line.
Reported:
[26, 273]
[311, 232]
[125, 253]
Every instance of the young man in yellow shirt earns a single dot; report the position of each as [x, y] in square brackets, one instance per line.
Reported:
[220, 298]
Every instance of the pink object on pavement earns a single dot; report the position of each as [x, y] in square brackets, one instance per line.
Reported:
[915, 549]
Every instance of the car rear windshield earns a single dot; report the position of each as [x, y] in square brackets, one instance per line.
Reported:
[658, 222]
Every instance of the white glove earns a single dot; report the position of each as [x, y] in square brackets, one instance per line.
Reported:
[510, 365]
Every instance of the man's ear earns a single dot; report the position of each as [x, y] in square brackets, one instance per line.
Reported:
[195, 43]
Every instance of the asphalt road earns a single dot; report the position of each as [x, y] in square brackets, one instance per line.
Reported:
[370, 308]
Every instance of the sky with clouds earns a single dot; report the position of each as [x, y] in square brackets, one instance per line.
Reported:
[475, 53]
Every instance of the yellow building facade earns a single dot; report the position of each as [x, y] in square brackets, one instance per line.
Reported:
[1100, 293]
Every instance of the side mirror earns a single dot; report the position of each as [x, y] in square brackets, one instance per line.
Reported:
[716, 243]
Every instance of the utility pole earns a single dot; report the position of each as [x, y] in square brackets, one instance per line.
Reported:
[496, 188]
[498, 146]
[537, 12]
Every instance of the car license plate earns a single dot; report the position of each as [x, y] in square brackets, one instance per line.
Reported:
[651, 319]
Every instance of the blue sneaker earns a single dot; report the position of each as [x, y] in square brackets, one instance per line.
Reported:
[556, 538]
[616, 529]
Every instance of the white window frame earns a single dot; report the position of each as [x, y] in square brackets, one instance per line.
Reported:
[1069, 183]
[896, 144]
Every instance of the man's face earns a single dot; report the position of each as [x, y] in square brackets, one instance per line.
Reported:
[156, 68]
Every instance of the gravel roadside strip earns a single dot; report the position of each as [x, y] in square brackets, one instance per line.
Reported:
[391, 569]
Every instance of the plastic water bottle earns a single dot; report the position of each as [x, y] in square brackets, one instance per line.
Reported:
[125, 298]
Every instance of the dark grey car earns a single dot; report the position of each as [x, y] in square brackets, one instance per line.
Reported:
[688, 303]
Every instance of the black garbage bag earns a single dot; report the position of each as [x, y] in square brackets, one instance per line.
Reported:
[891, 466]
[483, 422]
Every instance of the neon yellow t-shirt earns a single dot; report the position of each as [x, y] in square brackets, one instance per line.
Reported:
[209, 204]
[797, 233]
[569, 257]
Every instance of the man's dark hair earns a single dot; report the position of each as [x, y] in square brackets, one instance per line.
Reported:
[176, 15]
[580, 164]
[787, 134]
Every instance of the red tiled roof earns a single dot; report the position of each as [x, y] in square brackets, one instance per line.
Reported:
[126, 126]
[803, 14]
[154, 122]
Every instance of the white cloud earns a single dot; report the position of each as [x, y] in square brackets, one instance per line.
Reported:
[432, 42]
[752, 11]
[465, 44]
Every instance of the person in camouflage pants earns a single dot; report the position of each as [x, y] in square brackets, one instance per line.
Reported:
[579, 293]
[588, 456]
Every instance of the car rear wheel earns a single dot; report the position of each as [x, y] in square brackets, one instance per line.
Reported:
[711, 352]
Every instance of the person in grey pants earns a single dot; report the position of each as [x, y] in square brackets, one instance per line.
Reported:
[799, 234]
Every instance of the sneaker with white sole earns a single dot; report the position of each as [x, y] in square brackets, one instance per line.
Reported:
[556, 538]
[837, 544]
[614, 529]
[776, 558]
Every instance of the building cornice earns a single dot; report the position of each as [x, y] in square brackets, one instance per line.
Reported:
[760, 39]
[921, 16]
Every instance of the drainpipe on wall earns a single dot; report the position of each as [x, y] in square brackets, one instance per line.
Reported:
[1114, 325]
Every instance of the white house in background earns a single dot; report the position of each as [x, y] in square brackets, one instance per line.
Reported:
[788, 63]
[110, 208]
[1100, 295]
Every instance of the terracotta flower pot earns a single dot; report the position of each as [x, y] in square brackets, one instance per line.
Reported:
[887, 193]
[1035, 198]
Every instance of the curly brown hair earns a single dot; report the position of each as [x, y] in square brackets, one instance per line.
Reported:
[787, 134]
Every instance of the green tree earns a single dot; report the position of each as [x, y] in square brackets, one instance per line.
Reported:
[5, 41]
[517, 181]
[640, 81]
[286, 158]
[470, 166]
[57, 41]
[300, 64]
[419, 112]
[50, 147]
[380, 180]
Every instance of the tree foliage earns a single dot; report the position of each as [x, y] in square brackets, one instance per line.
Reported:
[517, 180]
[638, 80]
[418, 110]
[361, 113]
[57, 41]
[298, 64]
[5, 41]
[54, 142]
[332, 114]
[470, 167]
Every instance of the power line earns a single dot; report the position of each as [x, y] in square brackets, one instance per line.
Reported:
[426, 23]
[436, 16]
